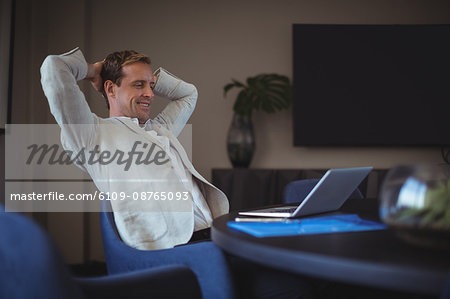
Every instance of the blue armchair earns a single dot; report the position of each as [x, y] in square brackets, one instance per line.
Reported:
[205, 259]
[32, 267]
[296, 191]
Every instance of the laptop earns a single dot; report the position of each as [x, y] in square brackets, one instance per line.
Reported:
[328, 195]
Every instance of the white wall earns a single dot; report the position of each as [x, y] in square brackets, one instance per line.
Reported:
[206, 43]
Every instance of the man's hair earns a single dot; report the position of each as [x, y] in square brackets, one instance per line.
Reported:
[112, 67]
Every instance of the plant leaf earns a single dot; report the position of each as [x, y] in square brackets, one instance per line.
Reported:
[267, 92]
[227, 88]
[237, 83]
[242, 105]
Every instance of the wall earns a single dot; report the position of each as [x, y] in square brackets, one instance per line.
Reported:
[41, 29]
[206, 43]
[210, 42]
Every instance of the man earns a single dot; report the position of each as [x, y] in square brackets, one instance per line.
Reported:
[127, 82]
[129, 85]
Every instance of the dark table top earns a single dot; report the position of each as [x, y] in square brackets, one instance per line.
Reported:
[373, 258]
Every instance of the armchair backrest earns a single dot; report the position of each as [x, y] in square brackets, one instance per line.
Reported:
[112, 243]
[30, 264]
[205, 259]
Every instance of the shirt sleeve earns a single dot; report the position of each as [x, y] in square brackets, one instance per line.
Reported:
[59, 76]
[182, 96]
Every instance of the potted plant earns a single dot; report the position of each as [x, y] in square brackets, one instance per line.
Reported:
[266, 92]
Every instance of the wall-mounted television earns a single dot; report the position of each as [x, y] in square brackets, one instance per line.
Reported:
[371, 85]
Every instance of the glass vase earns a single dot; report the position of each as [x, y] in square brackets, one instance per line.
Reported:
[241, 141]
[415, 202]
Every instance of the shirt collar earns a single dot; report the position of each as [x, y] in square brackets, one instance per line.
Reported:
[136, 121]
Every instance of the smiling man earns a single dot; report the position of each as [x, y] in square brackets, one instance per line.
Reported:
[129, 86]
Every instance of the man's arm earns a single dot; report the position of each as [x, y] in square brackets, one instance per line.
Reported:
[182, 96]
[59, 76]
[93, 75]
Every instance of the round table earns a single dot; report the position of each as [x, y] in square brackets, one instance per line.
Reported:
[372, 258]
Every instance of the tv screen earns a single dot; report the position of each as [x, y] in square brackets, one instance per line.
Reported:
[371, 85]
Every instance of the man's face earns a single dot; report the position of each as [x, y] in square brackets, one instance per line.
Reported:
[134, 96]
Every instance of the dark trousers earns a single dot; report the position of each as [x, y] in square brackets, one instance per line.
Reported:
[201, 235]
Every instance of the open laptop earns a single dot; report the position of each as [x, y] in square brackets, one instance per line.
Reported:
[329, 194]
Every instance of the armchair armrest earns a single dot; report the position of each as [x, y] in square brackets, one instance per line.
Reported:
[158, 282]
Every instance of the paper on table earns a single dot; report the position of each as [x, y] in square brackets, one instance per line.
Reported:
[316, 225]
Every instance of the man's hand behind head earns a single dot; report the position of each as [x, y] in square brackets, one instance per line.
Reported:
[93, 75]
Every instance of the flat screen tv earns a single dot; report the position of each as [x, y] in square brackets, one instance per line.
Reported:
[371, 85]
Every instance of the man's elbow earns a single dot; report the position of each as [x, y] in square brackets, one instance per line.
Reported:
[193, 94]
[49, 62]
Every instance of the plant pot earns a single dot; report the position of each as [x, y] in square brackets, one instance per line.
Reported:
[241, 141]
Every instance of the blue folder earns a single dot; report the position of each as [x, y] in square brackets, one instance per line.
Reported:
[316, 225]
